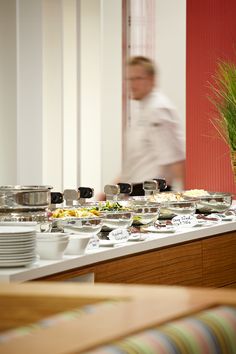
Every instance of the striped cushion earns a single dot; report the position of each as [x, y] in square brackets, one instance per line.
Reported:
[208, 332]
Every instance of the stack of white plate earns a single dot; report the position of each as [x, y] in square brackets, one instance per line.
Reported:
[17, 246]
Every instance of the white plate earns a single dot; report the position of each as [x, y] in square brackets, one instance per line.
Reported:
[110, 243]
[19, 259]
[231, 217]
[18, 255]
[18, 238]
[138, 237]
[166, 229]
[16, 230]
[32, 224]
[206, 222]
[18, 245]
[17, 250]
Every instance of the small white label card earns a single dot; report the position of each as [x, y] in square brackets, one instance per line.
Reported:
[119, 235]
[184, 220]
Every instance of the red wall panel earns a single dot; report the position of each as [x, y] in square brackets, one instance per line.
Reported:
[211, 34]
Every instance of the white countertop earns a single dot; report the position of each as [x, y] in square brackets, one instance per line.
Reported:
[44, 268]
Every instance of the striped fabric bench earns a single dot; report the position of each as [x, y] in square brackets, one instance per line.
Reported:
[212, 331]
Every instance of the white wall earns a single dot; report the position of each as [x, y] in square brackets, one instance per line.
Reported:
[171, 50]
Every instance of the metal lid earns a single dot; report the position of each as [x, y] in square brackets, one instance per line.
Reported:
[24, 188]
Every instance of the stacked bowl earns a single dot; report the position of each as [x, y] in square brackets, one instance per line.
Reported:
[51, 245]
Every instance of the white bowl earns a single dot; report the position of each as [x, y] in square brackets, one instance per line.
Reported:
[77, 244]
[52, 236]
[51, 249]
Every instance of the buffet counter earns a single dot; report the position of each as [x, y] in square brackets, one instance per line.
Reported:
[196, 256]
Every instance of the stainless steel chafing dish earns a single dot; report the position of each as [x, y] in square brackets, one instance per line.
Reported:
[24, 203]
[24, 197]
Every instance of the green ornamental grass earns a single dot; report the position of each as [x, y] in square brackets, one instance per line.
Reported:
[223, 87]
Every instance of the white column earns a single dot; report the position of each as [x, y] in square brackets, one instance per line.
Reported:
[8, 148]
[171, 50]
[90, 94]
[52, 94]
[70, 94]
[29, 92]
[111, 89]
[100, 92]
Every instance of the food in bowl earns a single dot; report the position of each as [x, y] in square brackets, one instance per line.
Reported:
[195, 193]
[109, 205]
[74, 212]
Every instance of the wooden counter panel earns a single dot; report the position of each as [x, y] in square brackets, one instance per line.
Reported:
[176, 265]
[179, 265]
[219, 260]
[68, 274]
[209, 262]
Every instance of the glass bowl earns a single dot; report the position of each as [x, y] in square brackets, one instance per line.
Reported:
[146, 214]
[170, 209]
[139, 200]
[117, 220]
[82, 226]
[215, 202]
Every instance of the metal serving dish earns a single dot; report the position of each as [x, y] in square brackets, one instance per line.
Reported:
[215, 202]
[24, 197]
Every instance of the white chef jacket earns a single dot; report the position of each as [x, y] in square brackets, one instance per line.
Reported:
[154, 139]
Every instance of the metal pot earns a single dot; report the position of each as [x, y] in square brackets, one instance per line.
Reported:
[24, 197]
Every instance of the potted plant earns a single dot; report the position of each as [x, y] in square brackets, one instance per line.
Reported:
[223, 88]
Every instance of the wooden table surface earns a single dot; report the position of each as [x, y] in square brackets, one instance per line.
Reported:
[136, 308]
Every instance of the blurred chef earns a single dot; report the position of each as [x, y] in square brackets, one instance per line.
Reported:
[154, 143]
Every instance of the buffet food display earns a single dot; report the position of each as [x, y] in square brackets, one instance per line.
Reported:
[76, 224]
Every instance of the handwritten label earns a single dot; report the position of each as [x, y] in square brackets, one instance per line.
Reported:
[119, 235]
[184, 220]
